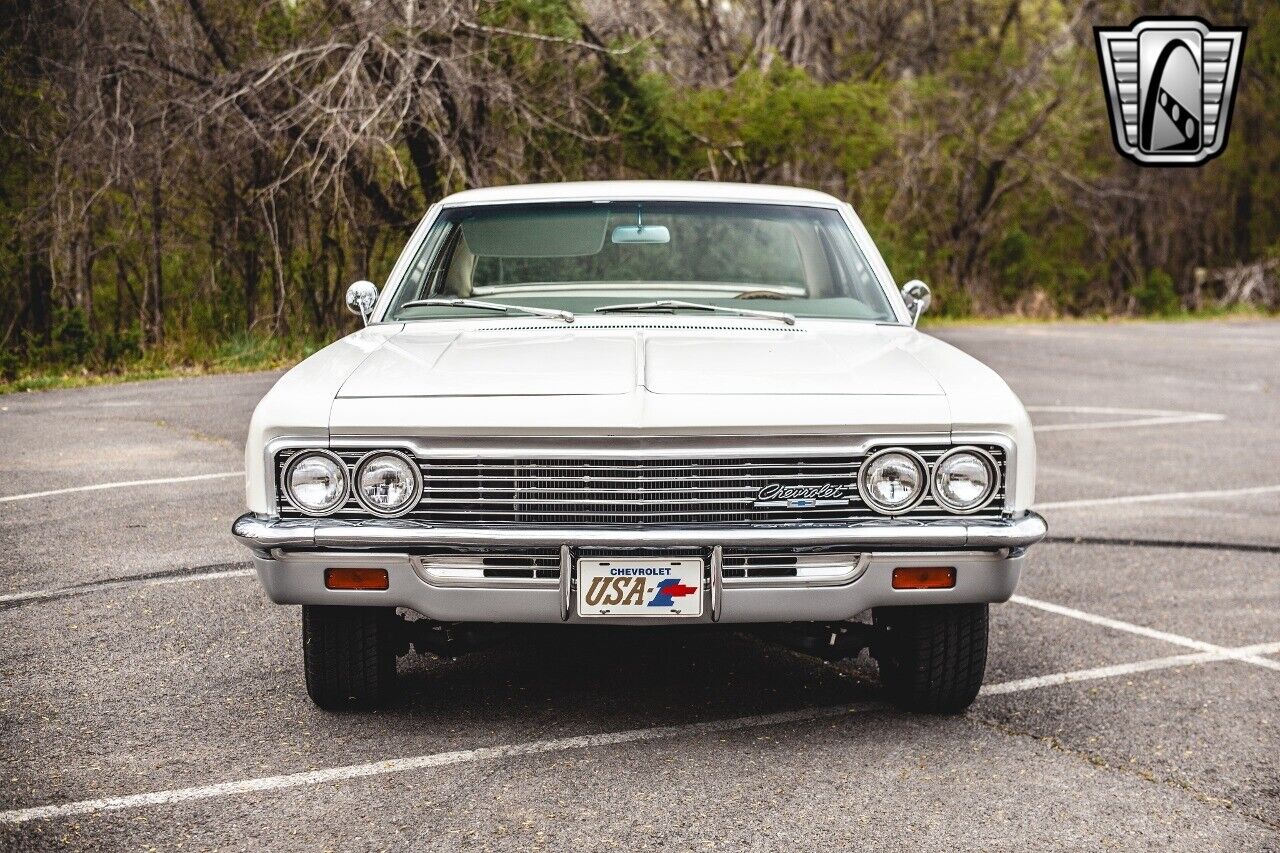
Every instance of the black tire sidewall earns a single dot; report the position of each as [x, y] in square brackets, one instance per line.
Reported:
[932, 658]
[349, 655]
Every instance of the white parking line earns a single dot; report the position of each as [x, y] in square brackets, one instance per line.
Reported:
[1145, 417]
[470, 756]
[1244, 656]
[418, 762]
[123, 484]
[64, 592]
[1116, 670]
[1160, 497]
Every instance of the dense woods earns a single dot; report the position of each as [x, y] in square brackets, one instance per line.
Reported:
[200, 179]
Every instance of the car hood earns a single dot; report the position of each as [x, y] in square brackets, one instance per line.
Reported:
[676, 358]
[647, 381]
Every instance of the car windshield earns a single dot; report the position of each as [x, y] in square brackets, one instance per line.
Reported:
[586, 257]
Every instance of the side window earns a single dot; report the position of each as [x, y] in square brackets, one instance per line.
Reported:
[851, 270]
[417, 274]
[430, 274]
[836, 261]
[862, 274]
[418, 279]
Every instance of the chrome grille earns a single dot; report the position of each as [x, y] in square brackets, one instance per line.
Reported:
[597, 492]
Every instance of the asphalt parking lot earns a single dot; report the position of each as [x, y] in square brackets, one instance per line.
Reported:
[150, 695]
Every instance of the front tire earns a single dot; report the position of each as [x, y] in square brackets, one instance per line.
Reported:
[932, 658]
[349, 655]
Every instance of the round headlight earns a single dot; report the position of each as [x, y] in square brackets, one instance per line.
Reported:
[316, 482]
[892, 481]
[387, 483]
[964, 480]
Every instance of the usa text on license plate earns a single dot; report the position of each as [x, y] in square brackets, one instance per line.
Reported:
[634, 586]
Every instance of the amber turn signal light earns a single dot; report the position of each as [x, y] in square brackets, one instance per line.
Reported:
[924, 577]
[357, 578]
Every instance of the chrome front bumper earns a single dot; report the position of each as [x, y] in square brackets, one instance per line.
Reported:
[291, 557]
[264, 535]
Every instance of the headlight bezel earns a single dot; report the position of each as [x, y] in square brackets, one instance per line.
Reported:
[993, 470]
[864, 491]
[286, 477]
[415, 473]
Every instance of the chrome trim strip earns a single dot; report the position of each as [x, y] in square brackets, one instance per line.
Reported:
[551, 502]
[717, 581]
[764, 480]
[468, 571]
[758, 471]
[812, 570]
[815, 515]
[263, 534]
[656, 446]
[566, 583]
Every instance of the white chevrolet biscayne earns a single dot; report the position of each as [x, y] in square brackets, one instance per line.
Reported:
[641, 403]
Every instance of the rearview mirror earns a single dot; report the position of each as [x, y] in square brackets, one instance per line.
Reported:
[655, 234]
[917, 296]
[361, 298]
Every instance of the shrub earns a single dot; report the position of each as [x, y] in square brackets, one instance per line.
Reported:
[9, 365]
[1157, 295]
[72, 337]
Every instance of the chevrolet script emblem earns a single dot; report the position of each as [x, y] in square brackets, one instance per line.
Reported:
[785, 496]
[1170, 85]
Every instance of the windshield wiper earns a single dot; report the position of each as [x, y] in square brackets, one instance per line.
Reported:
[567, 316]
[672, 304]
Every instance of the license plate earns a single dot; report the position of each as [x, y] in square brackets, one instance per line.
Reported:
[640, 587]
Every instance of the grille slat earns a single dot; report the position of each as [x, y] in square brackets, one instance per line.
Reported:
[606, 492]
[543, 500]
[810, 514]
[637, 482]
[437, 470]
[595, 489]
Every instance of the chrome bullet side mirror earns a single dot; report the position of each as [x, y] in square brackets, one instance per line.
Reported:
[361, 298]
[917, 296]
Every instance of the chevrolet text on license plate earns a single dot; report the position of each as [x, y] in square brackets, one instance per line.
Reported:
[640, 587]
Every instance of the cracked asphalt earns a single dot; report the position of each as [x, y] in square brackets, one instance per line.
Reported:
[137, 656]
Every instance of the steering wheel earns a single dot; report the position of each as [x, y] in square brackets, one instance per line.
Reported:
[760, 294]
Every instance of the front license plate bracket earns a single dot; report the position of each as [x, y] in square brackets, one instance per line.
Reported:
[640, 587]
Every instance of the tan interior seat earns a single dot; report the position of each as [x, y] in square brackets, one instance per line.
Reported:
[817, 271]
[457, 279]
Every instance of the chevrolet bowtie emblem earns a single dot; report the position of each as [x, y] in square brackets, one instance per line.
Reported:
[1170, 85]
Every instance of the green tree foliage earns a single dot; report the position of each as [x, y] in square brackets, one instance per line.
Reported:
[1156, 294]
[779, 120]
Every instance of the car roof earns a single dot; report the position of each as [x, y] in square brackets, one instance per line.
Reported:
[642, 190]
